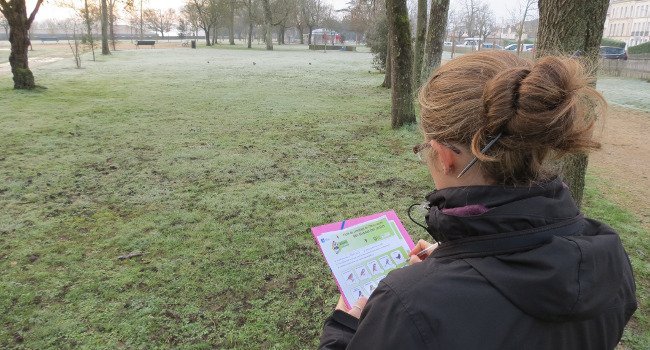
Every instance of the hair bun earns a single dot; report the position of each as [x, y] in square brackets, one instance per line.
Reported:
[537, 107]
[501, 97]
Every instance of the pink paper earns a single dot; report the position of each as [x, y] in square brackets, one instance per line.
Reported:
[336, 226]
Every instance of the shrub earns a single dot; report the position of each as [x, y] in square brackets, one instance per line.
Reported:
[377, 40]
[612, 42]
[643, 48]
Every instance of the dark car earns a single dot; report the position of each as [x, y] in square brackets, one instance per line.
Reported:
[613, 53]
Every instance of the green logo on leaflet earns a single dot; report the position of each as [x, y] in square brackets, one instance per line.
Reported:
[337, 246]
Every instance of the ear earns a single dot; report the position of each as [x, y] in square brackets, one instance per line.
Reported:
[446, 156]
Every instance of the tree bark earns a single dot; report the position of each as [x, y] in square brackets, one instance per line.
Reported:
[311, 29]
[387, 70]
[401, 56]
[300, 31]
[105, 49]
[111, 23]
[578, 28]
[250, 35]
[435, 37]
[231, 23]
[207, 36]
[19, 25]
[281, 30]
[420, 35]
[267, 24]
[89, 30]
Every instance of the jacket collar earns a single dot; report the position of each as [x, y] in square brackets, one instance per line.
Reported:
[461, 212]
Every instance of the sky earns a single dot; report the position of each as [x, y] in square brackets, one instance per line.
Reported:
[50, 10]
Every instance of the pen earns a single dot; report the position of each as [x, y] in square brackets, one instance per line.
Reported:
[429, 249]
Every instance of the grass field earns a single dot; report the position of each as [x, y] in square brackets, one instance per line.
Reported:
[214, 164]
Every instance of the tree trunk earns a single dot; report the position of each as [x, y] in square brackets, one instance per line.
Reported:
[311, 29]
[111, 24]
[267, 24]
[207, 36]
[281, 35]
[577, 28]
[250, 35]
[105, 49]
[89, 30]
[399, 36]
[231, 23]
[387, 70]
[435, 37]
[420, 34]
[300, 31]
[18, 59]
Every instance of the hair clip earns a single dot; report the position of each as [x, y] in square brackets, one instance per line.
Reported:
[485, 149]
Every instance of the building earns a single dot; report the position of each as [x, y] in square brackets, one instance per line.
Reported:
[628, 21]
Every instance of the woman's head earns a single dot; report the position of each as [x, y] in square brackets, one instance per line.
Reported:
[543, 110]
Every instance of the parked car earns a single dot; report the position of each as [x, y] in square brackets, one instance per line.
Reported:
[524, 47]
[447, 43]
[613, 53]
[491, 46]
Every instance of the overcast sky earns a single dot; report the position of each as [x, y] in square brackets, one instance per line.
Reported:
[500, 8]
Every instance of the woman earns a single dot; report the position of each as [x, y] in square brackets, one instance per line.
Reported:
[518, 266]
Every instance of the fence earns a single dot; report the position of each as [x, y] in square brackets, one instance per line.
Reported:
[632, 68]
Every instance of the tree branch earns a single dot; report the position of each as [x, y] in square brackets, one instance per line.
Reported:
[4, 7]
[33, 15]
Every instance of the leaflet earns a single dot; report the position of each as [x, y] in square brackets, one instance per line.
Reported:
[362, 251]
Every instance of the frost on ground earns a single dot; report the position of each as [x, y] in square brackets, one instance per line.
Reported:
[626, 92]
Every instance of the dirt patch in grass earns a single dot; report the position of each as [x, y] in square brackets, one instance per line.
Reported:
[623, 160]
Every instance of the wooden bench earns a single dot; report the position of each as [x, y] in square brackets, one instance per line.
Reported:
[43, 40]
[151, 43]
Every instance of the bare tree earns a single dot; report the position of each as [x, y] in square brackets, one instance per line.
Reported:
[401, 55]
[191, 17]
[252, 13]
[15, 11]
[435, 37]
[268, 20]
[105, 49]
[578, 27]
[112, 16]
[519, 15]
[484, 22]
[470, 9]
[455, 27]
[207, 14]
[312, 12]
[359, 16]
[89, 14]
[73, 26]
[281, 12]
[232, 7]
[420, 39]
[160, 21]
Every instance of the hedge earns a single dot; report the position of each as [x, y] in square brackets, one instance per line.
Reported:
[643, 48]
[612, 42]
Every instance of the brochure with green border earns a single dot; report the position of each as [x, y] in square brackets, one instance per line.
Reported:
[362, 251]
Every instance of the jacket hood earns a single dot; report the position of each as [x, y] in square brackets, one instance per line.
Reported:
[572, 273]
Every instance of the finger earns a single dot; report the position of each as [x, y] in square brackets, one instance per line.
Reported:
[414, 260]
[420, 246]
[357, 308]
[340, 305]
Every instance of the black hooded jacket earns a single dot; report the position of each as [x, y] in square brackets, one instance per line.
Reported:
[523, 271]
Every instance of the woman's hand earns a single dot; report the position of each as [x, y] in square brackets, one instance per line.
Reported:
[420, 247]
[356, 308]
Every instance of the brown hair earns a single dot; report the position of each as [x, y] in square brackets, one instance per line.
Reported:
[544, 110]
